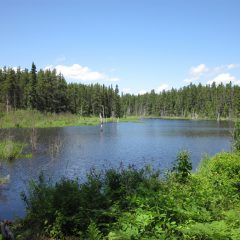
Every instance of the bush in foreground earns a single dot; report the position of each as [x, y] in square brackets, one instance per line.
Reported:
[138, 204]
[236, 137]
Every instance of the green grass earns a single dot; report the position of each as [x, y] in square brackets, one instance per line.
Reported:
[199, 118]
[10, 150]
[35, 119]
[3, 180]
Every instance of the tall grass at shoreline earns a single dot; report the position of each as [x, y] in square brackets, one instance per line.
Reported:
[36, 119]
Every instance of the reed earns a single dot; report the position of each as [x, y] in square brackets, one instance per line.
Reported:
[55, 147]
[34, 119]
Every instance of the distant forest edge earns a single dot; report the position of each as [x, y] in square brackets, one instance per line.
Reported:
[47, 91]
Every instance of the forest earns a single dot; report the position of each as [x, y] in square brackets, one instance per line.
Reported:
[47, 91]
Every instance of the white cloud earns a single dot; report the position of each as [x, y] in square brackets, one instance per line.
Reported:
[202, 72]
[13, 68]
[159, 89]
[16, 68]
[196, 72]
[222, 68]
[232, 65]
[224, 78]
[126, 90]
[162, 87]
[49, 67]
[141, 92]
[77, 73]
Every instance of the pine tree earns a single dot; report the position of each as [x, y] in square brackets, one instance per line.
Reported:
[32, 87]
[117, 103]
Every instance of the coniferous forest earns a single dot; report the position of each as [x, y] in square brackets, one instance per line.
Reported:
[47, 91]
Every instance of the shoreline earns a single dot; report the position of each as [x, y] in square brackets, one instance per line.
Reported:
[35, 119]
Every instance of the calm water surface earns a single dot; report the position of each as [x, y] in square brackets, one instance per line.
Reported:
[151, 141]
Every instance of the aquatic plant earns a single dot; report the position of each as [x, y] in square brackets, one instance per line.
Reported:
[4, 180]
[10, 150]
[34, 139]
[55, 146]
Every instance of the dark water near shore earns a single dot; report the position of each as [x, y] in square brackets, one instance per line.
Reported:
[154, 142]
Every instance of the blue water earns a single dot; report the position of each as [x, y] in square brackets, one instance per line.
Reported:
[154, 142]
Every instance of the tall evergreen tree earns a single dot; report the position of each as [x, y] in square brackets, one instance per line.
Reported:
[33, 86]
[117, 103]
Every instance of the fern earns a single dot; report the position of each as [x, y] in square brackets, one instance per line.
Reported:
[93, 232]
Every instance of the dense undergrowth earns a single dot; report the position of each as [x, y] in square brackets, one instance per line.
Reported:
[130, 203]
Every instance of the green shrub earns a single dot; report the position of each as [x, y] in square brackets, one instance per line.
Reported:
[10, 150]
[130, 203]
[93, 232]
[67, 206]
[183, 166]
[236, 136]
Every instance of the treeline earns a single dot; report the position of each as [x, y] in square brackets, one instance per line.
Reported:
[211, 101]
[47, 91]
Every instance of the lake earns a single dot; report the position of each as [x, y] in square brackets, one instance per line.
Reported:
[78, 149]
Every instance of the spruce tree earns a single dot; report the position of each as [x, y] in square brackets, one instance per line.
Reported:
[33, 85]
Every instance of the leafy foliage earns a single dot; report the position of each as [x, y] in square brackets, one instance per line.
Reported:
[131, 203]
[10, 150]
[183, 166]
[93, 233]
[236, 136]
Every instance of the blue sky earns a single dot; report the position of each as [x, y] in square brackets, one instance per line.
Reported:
[138, 44]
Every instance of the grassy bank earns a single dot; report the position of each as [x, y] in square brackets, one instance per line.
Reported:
[139, 204]
[30, 119]
[35, 119]
[199, 118]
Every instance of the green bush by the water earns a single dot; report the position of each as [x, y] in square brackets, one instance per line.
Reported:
[10, 150]
[236, 136]
[139, 204]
